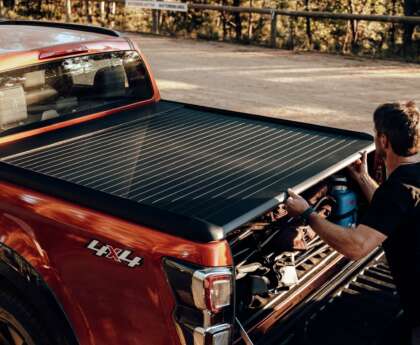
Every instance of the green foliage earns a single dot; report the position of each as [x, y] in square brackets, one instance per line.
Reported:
[346, 37]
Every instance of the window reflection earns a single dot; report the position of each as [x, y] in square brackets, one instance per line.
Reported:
[72, 86]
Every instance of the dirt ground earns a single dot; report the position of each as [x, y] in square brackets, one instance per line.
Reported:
[324, 89]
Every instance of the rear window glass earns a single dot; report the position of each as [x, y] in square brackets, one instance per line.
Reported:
[71, 87]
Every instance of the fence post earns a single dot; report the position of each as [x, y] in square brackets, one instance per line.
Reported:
[102, 10]
[273, 29]
[155, 24]
[68, 10]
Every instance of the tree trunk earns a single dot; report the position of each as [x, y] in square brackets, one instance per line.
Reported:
[351, 36]
[308, 26]
[102, 10]
[250, 23]
[68, 10]
[393, 29]
[411, 8]
[238, 22]
[223, 14]
[89, 11]
[112, 12]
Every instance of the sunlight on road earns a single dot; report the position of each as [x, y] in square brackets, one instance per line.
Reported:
[166, 85]
[333, 90]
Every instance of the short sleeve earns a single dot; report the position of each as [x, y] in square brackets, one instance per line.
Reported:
[388, 209]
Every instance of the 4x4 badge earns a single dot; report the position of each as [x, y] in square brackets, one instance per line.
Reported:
[122, 256]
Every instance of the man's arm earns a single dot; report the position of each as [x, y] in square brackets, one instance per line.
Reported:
[352, 243]
[368, 186]
[359, 172]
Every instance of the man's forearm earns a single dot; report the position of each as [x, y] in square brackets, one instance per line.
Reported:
[344, 240]
[368, 186]
[353, 243]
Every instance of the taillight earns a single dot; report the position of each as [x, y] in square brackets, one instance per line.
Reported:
[48, 53]
[212, 289]
[204, 302]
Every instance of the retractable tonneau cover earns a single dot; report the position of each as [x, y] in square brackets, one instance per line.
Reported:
[192, 171]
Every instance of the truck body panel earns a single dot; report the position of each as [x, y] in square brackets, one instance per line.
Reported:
[52, 236]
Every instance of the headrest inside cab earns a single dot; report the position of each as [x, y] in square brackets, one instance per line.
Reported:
[110, 82]
[13, 108]
[34, 79]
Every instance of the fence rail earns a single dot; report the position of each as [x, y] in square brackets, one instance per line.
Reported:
[310, 14]
[274, 13]
[303, 14]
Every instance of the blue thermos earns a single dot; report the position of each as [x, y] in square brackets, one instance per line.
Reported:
[345, 210]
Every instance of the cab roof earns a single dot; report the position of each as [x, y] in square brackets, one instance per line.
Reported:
[17, 36]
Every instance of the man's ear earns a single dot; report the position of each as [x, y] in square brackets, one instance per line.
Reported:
[384, 140]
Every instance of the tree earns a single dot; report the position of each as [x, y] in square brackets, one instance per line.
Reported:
[238, 21]
[411, 8]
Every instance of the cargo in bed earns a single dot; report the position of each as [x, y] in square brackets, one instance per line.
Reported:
[192, 171]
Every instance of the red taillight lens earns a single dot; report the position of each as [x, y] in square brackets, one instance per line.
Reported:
[48, 53]
[203, 313]
[212, 289]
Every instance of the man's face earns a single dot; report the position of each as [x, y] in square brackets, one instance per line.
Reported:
[380, 145]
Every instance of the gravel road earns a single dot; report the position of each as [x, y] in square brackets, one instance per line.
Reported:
[317, 88]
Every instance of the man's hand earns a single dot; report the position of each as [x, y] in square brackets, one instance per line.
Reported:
[359, 169]
[359, 172]
[295, 204]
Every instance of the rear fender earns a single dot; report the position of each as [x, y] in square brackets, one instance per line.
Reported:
[19, 275]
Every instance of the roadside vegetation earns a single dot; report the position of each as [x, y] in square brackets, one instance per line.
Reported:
[345, 37]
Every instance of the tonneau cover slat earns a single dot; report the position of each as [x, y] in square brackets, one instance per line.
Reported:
[194, 162]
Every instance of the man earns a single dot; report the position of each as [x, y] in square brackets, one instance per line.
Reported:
[393, 217]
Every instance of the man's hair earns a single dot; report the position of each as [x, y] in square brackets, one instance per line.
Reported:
[400, 122]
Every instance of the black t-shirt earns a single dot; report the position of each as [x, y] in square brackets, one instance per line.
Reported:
[395, 212]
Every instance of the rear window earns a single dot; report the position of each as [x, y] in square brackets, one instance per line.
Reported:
[76, 86]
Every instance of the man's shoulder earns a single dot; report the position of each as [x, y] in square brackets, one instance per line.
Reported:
[399, 191]
[409, 173]
[405, 194]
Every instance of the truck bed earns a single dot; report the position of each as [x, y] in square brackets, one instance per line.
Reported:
[190, 171]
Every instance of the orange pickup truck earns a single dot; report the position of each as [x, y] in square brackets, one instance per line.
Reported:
[127, 219]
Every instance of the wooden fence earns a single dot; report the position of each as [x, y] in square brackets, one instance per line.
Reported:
[273, 14]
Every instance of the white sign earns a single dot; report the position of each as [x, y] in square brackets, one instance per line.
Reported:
[158, 5]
